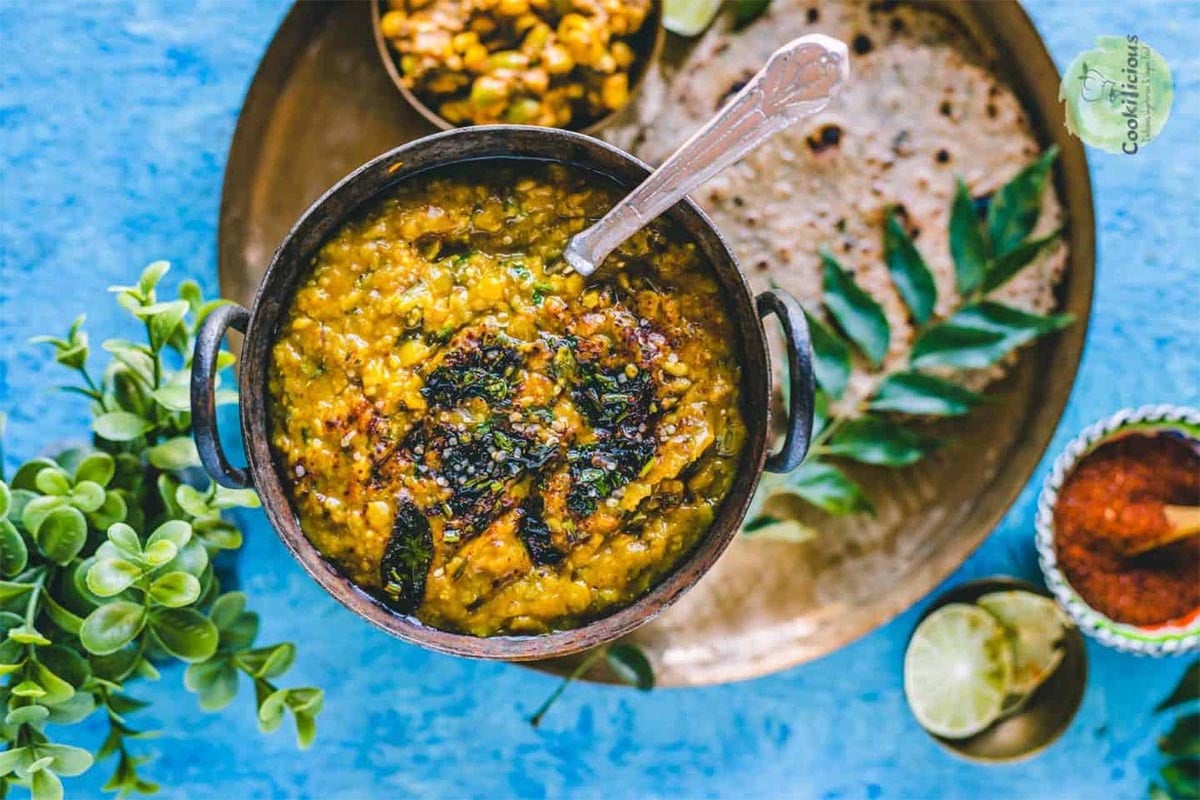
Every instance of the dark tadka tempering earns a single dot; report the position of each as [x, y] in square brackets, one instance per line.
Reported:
[487, 440]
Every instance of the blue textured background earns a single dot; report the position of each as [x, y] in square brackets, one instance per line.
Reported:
[115, 119]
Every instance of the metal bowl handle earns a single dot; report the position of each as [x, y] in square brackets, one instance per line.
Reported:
[204, 407]
[800, 378]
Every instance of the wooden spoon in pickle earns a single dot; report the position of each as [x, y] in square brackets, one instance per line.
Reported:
[798, 81]
[1183, 522]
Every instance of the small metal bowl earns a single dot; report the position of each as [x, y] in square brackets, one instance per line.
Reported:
[1046, 714]
[1178, 636]
[647, 45]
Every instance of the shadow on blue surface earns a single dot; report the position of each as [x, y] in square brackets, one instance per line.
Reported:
[114, 123]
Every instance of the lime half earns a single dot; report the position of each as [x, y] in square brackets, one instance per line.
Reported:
[957, 671]
[1035, 627]
[689, 17]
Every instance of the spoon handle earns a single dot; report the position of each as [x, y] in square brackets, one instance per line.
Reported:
[798, 80]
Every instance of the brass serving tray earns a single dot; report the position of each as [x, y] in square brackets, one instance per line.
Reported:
[321, 103]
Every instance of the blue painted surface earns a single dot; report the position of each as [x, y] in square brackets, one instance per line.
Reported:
[115, 120]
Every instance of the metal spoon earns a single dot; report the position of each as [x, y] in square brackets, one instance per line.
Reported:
[798, 80]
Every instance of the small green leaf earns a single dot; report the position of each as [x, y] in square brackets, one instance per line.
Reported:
[981, 334]
[872, 440]
[175, 589]
[967, 245]
[190, 291]
[175, 531]
[45, 785]
[151, 275]
[306, 730]
[68, 761]
[112, 626]
[234, 498]
[120, 426]
[305, 700]
[162, 319]
[1008, 265]
[856, 312]
[111, 576]
[27, 715]
[53, 481]
[174, 397]
[5, 499]
[67, 664]
[110, 512]
[227, 608]
[174, 454]
[14, 554]
[125, 539]
[1182, 777]
[1016, 206]
[26, 475]
[56, 689]
[271, 710]
[137, 357]
[214, 681]
[184, 633]
[914, 393]
[218, 533]
[828, 488]
[11, 589]
[37, 509]
[62, 534]
[268, 662]
[831, 357]
[29, 689]
[909, 271]
[74, 710]
[61, 616]
[27, 634]
[97, 468]
[87, 496]
[1186, 691]
[951, 345]
[192, 559]
[158, 553]
[13, 759]
[1184, 738]
[630, 665]
[192, 501]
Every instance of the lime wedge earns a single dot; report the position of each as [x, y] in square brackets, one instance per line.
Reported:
[1035, 627]
[689, 17]
[957, 671]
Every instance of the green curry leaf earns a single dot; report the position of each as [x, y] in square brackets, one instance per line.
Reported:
[874, 440]
[631, 666]
[828, 488]
[967, 244]
[916, 393]
[831, 358]
[909, 271]
[1016, 206]
[856, 312]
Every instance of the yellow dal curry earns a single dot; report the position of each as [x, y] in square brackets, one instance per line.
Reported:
[482, 437]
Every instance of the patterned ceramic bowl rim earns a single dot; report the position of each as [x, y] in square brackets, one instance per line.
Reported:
[1176, 637]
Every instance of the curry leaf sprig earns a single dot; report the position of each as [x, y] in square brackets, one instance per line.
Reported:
[988, 250]
[106, 556]
[1180, 747]
[628, 663]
